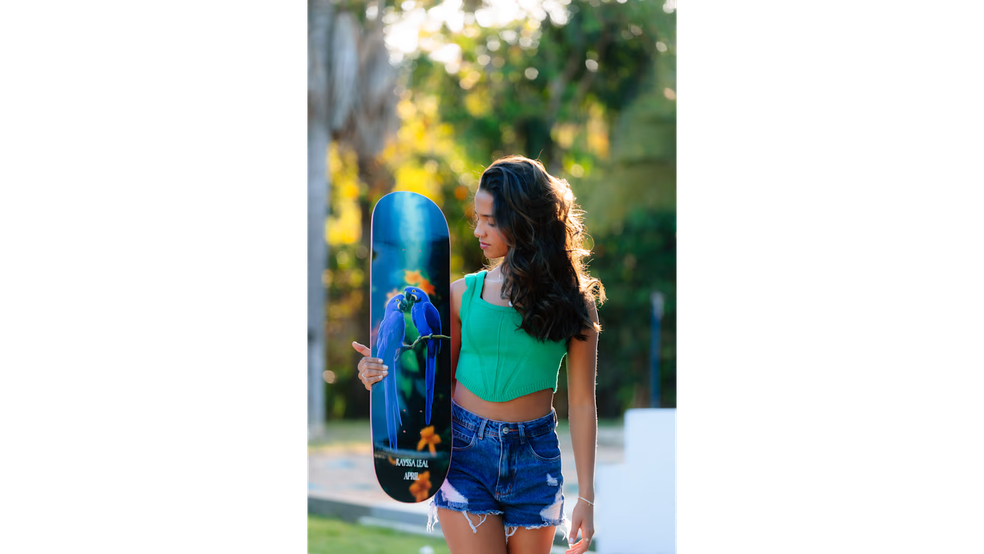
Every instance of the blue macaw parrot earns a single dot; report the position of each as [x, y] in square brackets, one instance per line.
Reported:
[388, 341]
[428, 321]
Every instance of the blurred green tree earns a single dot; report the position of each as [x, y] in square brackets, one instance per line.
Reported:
[589, 89]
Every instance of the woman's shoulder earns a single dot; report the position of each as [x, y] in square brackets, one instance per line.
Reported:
[459, 287]
[467, 280]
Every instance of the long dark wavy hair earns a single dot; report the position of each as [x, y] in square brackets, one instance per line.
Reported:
[544, 274]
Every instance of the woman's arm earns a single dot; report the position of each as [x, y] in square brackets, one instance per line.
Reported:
[457, 291]
[582, 367]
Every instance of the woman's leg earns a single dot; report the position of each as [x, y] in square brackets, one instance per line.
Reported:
[531, 541]
[488, 536]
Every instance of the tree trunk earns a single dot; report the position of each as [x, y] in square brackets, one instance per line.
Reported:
[319, 24]
[332, 76]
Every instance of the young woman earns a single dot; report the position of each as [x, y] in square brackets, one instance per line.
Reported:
[510, 328]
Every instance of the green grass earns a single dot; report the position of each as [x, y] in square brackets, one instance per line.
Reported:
[334, 536]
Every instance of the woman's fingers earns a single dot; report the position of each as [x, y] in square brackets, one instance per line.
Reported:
[371, 370]
[580, 547]
[584, 524]
[372, 366]
[575, 525]
[371, 377]
[361, 348]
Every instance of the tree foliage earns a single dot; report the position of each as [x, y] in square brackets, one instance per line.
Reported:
[589, 89]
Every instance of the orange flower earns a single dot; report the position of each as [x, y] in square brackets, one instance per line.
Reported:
[428, 438]
[426, 286]
[421, 487]
[412, 277]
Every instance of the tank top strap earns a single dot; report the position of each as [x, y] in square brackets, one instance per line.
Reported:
[478, 282]
[473, 289]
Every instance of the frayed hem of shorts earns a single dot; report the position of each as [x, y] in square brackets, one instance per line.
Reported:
[536, 526]
[461, 509]
[560, 522]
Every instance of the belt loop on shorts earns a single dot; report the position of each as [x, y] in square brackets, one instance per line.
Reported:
[481, 428]
[522, 432]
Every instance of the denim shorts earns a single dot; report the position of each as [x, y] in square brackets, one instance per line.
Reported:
[506, 468]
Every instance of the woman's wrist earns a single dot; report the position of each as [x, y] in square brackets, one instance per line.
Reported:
[586, 493]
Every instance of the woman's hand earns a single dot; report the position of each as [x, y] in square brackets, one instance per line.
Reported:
[371, 370]
[581, 518]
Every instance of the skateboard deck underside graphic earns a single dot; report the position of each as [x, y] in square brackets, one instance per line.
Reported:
[410, 305]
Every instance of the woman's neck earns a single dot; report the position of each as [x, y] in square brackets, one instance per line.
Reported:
[495, 275]
[493, 286]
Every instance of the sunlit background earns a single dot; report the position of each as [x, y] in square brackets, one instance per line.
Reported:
[422, 95]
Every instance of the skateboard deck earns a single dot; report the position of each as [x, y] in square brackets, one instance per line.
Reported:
[410, 308]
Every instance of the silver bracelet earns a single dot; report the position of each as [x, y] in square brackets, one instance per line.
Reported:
[590, 503]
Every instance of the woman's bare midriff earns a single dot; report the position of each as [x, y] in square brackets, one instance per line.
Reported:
[524, 408]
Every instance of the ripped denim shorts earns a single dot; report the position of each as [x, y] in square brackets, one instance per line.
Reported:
[507, 468]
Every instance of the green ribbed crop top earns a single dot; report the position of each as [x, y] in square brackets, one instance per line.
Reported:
[498, 361]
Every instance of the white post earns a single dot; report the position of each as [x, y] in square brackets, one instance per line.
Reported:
[636, 501]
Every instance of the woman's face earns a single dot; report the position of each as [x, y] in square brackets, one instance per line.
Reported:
[488, 235]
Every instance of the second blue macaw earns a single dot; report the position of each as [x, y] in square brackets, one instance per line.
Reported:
[428, 321]
[388, 341]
